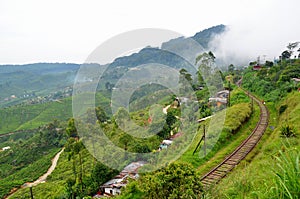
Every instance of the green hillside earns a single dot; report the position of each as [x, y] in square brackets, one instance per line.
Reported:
[32, 116]
[22, 117]
[29, 155]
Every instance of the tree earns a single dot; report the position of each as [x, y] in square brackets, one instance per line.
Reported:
[185, 80]
[69, 188]
[90, 116]
[122, 118]
[71, 129]
[209, 71]
[124, 140]
[291, 47]
[108, 86]
[231, 68]
[74, 147]
[206, 58]
[185, 74]
[140, 149]
[212, 55]
[177, 180]
[101, 115]
[100, 174]
[285, 55]
[171, 117]
[269, 63]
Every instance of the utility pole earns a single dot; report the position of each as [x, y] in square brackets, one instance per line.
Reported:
[228, 100]
[252, 104]
[204, 141]
[31, 193]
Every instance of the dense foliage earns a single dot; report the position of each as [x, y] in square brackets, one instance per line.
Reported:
[177, 180]
[273, 83]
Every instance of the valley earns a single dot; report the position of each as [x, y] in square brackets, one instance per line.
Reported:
[229, 132]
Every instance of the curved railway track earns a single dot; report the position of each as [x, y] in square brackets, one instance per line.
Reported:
[220, 171]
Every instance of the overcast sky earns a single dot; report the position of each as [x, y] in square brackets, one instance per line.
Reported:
[69, 30]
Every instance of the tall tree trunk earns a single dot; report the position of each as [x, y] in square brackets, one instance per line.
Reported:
[81, 169]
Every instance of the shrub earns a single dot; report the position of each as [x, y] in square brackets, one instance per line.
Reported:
[287, 131]
[282, 108]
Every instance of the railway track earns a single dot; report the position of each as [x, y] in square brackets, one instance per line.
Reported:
[231, 161]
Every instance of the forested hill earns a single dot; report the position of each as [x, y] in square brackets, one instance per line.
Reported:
[19, 83]
[163, 56]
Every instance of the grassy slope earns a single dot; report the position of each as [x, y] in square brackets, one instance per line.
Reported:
[27, 159]
[32, 116]
[54, 187]
[257, 180]
[236, 140]
[235, 118]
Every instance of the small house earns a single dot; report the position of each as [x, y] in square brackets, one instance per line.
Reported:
[114, 186]
[219, 100]
[223, 94]
[257, 67]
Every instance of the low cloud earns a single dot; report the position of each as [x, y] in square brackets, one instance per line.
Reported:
[264, 32]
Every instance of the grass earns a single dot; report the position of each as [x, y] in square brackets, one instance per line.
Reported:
[287, 174]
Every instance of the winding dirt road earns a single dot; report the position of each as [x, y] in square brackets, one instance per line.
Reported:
[42, 178]
[45, 175]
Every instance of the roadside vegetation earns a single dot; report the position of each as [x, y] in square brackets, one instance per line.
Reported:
[271, 170]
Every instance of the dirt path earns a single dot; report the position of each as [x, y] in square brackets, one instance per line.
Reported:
[50, 170]
[42, 178]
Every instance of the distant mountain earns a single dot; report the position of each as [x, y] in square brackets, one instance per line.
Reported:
[177, 53]
[203, 37]
[22, 82]
[18, 82]
[40, 68]
[165, 54]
